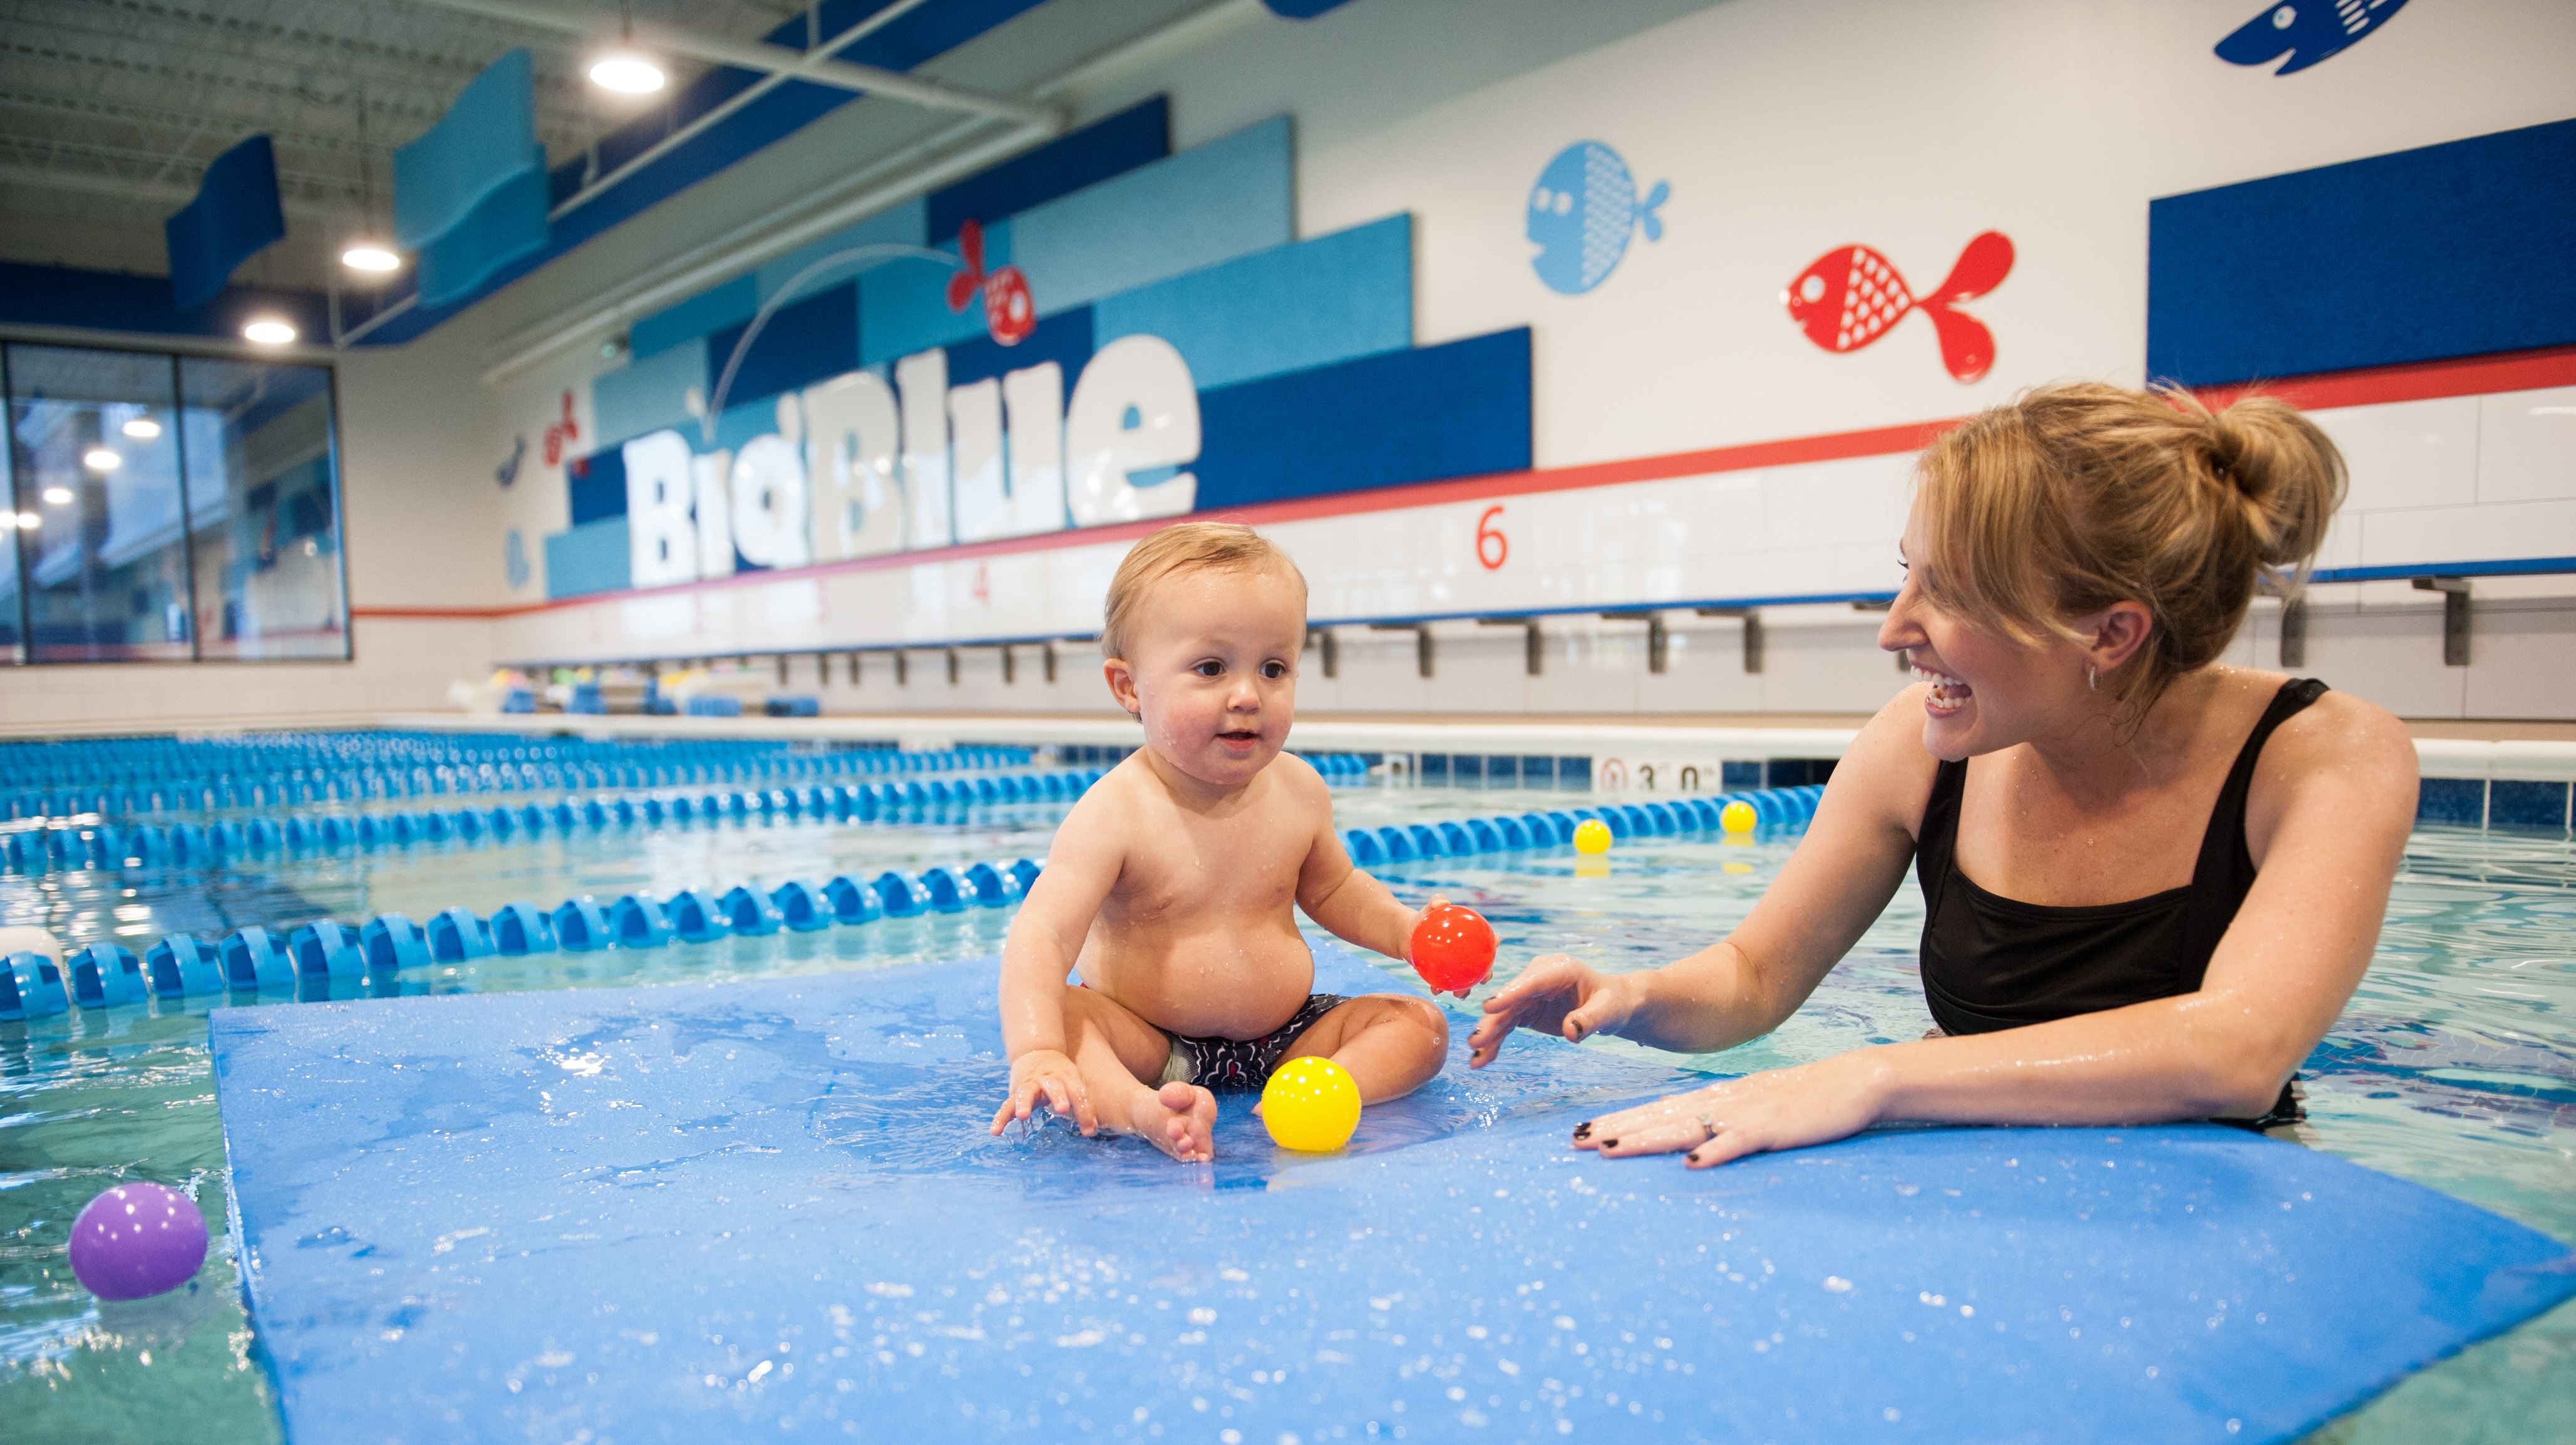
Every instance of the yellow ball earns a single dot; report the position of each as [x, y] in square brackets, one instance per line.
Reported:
[1738, 817]
[1311, 1104]
[1591, 836]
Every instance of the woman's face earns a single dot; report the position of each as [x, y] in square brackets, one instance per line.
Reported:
[1987, 691]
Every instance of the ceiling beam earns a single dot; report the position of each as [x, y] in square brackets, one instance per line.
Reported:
[100, 183]
[763, 58]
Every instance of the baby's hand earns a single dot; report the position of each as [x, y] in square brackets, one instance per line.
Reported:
[1047, 1074]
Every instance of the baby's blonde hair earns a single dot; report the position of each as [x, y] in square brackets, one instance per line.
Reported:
[2070, 498]
[1183, 547]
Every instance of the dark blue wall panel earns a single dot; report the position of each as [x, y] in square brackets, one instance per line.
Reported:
[1111, 146]
[117, 301]
[2452, 250]
[1064, 338]
[1406, 416]
[804, 342]
[597, 486]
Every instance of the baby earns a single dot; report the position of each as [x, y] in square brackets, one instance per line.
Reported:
[1169, 884]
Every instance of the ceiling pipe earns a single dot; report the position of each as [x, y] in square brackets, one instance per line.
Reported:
[752, 244]
[594, 189]
[761, 56]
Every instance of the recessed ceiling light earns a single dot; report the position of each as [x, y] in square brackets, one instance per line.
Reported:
[269, 331]
[370, 256]
[59, 496]
[100, 459]
[626, 73]
[29, 521]
[142, 428]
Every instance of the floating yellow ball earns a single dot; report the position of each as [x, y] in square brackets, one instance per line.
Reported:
[1738, 817]
[1311, 1105]
[1591, 836]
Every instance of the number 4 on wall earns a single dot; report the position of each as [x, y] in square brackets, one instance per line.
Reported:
[1492, 547]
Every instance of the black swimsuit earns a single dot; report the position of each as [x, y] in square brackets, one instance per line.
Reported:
[1992, 963]
[1243, 1066]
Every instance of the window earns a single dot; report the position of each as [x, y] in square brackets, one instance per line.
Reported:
[169, 508]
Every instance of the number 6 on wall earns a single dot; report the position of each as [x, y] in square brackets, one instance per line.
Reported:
[1492, 547]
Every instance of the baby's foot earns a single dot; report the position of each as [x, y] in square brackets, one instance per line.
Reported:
[1179, 1119]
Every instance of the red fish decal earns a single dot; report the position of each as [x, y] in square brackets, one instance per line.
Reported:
[1849, 298]
[558, 433]
[1008, 312]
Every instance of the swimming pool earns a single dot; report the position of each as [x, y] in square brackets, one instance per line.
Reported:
[2455, 1065]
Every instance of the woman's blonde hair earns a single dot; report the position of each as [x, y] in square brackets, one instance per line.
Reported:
[2070, 498]
[1183, 547]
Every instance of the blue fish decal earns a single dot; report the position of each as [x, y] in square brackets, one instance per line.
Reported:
[508, 471]
[1581, 215]
[2308, 31]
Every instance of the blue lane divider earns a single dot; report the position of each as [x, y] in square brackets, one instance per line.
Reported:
[113, 776]
[151, 847]
[1474, 837]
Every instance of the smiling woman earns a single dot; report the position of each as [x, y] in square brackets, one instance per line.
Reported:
[2161, 878]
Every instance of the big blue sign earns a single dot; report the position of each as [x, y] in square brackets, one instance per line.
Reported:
[859, 467]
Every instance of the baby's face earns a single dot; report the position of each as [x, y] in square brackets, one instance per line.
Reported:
[1213, 671]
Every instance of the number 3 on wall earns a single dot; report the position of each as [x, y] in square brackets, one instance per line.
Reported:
[1492, 547]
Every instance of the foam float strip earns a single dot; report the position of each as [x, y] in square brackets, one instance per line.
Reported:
[1470, 837]
[309, 775]
[151, 847]
[182, 966]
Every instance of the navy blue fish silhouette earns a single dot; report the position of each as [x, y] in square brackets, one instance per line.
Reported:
[2308, 32]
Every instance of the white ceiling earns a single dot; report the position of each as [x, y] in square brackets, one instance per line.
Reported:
[111, 109]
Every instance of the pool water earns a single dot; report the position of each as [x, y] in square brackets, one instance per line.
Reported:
[2455, 1065]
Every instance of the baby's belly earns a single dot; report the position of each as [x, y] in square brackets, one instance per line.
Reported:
[1234, 984]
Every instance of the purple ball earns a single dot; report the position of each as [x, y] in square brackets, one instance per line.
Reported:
[137, 1240]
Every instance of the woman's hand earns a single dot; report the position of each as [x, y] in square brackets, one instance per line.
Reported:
[1776, 1109]
[1046, 1077]
[1556, 994]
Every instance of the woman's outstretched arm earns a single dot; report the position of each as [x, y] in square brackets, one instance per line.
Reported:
[2334, 798]
[1830, 891]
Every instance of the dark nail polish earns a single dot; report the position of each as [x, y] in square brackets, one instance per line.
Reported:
[1609, 1143]
[1583, 1130]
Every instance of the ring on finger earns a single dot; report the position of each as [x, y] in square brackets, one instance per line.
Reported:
[1710, 1125]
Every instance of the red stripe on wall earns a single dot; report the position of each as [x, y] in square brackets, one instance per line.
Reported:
[2469, 376]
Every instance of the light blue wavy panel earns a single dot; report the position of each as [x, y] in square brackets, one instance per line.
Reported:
[1227, 198]
[481, 144]
[717, 307]
[903, 306]
[907, 224]
[648, 393]
[1309, 303]
[593, 557]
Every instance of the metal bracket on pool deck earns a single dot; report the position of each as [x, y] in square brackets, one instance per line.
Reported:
[1752, 617]
[1658, 641]
[2455, 616]
[1321, 638]
[1421, 641]
[1535, 655]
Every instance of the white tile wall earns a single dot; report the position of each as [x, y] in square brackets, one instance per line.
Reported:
[2434, 482]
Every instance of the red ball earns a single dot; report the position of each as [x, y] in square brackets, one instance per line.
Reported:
[1452, 948]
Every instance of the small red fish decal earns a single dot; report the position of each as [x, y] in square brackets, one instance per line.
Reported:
[560, 432]
[1850, 297]
[1008, 312]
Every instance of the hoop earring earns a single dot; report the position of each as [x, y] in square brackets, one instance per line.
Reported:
[2092, 679]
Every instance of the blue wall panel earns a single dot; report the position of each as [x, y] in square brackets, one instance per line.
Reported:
[903, 225]
[647, 393]
[903, 306]
[722, 305]
[1457, 410]
[596, 486]
[1064, 338]
[119, 301]
[1227, 198]
[804, 342]
[2452, 250]
[1133, 137]
[1289, 308]
[587, 559]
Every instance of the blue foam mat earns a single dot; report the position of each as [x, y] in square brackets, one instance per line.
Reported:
[769, 1210]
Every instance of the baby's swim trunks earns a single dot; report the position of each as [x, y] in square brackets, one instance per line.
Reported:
[1242, 1066]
